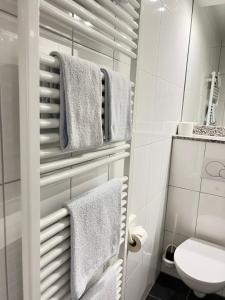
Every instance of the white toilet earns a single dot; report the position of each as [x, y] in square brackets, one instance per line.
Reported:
[201, 265]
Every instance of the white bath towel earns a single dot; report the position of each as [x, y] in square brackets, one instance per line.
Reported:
[95, 232]
[105, 288]
[80, 103]
[118, 98]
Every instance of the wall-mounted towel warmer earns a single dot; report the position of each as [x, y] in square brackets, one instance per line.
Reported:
[55, 245]
[111, 25]
[214, 93]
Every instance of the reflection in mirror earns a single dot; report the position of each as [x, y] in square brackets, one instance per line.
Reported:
[204, 94]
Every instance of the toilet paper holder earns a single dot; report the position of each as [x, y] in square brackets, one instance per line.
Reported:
[137, 235]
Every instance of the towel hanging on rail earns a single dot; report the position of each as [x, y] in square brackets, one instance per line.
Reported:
[118, 111]
[106, 286]
[80, 103]
[95, 232]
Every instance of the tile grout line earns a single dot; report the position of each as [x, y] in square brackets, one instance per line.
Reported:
[196, 224]
[200, 192]
[166, 206]
[3, 195]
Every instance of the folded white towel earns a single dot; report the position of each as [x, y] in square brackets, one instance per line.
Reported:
[106, 287]
[118, 113]
[80, 103]
[95, 232]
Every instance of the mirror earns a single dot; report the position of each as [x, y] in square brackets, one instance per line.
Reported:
[204, 93]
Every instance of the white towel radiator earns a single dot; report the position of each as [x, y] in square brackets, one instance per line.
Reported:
[103, 23]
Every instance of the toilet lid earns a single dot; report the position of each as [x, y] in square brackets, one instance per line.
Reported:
[201, 260]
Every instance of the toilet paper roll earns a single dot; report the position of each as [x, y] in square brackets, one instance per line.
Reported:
[186, 128]
[139, 237]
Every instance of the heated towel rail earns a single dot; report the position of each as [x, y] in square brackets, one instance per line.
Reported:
[45, 240]
[55, 245]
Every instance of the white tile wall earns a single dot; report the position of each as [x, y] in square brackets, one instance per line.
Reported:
[198, 202]
[3, 287]
[160, 79]
[173, 51]
[186, 164]
[9, 97]
[211, 219]
[182, 206]
[213, 186]
[151, 26]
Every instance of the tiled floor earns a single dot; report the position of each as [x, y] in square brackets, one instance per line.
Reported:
[169, 288]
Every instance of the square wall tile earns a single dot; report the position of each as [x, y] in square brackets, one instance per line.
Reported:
[9, 6]
[13, 212]
[54, 196]
[122, 68]
[182, 206]
[157, 105]
[3, 288]
[135, 286]
[9, 96]
[173, 45]
[155, 219]
[14, 271]
[213, 187]
[149, 27]
[214, 151]
[211, 219]
[144, 101]
[87, 181]
[139, 181]
[154, 227]
[168, 102]
[93, 56]
[159, 154]
[222, 59]
[186, 164]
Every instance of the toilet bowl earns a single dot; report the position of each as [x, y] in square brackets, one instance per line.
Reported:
[201, 265]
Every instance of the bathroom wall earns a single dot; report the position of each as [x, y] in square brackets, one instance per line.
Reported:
[198, 203]
[162, 58]
[164, 34]
[204, 56]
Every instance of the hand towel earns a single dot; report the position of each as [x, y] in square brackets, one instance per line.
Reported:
[118, 100]
[80, 103]
[95, 232]
[106, 287]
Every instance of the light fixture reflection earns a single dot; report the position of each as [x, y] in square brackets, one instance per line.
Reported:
[88, 24]
[162, 8]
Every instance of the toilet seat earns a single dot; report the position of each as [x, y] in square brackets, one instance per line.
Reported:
[202, 261]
